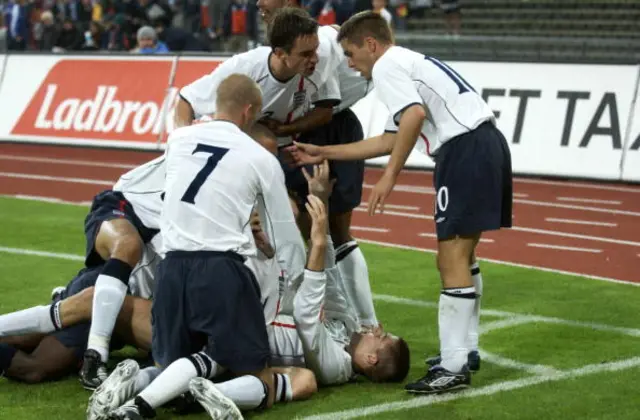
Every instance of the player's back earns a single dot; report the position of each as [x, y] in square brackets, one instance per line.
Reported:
[454, 106]
[142, 187]
[215, 173]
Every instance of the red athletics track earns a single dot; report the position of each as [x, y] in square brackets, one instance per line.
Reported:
[588, 228]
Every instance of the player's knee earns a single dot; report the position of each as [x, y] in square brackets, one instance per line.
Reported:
[34, 377]
[127, 248]
[339, 228]
[303, 384]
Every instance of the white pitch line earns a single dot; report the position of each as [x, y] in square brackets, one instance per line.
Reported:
[397, 213]
[632, 332]
[479, 392]
[579, 222]
[593, 186]
[509, 263]
[589, 200]
[520, 195]
[57, 178]
[402, 207]
[369, 229]
[67, 162]
[575, 236]
[47, 199]
[514, 364]
[430, 191]
[433, 235]
[33, 252]
[564, 248]
[508, 322]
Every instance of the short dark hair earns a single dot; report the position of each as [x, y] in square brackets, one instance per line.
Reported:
[287, 25]
[393, 362]
[365, 24]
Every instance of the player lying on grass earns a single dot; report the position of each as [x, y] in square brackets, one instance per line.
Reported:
[47, 352]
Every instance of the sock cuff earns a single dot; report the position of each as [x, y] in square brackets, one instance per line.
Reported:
[54, 313]
[345, 249]
[474, 269]
[6, 356]
[282, 383]
[460, 292]
[145, 408]
[205, 365]
[117, 269]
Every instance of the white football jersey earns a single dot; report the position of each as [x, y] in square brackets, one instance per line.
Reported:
[143, 187]
[215, 176]
[283, 101]
[403, 77]
[352, 85]
[142, 280]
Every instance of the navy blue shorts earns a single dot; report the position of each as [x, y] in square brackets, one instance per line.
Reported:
[344, 128]
[76, 336]
[109, 205]
[473, 183]
[209, 301]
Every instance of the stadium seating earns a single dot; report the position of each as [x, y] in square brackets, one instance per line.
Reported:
[550, 30]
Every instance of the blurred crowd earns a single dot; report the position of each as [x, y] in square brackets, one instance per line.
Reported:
[160, 26]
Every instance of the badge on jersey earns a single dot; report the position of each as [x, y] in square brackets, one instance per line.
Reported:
[299, 99]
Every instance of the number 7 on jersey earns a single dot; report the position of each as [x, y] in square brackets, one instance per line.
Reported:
[216, 153]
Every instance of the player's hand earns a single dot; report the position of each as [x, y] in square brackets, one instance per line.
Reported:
[305, 153]
[318, 214]
[319, 184]
[262, 242]
[380, 192]
[273, 125]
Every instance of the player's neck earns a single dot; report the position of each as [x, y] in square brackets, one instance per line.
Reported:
[278, 70]
[223, 116]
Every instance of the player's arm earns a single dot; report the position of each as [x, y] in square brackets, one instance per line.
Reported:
[184, 114]
[320, 115]
[198, 98]
[281, 225]
[398, 92]
[382, 145]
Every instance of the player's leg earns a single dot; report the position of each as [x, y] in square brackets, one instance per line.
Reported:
[224, 304]
[469, 200]
[55, 356]
[346, 196]
[173, 348]
[115, 236]
[473, 336]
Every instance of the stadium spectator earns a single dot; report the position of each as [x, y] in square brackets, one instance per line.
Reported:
[16, 15]
[49, 32]
[234, 27]
[452, 16]
[115, 38]
[70, 37]
[93, 37]
[380, 7]
[177, 39]
[148, 42]
[3, 34]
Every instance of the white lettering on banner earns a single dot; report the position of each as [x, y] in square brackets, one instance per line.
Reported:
[103, 113]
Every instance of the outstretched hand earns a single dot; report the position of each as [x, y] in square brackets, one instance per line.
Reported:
[305, 154]
[319, 184]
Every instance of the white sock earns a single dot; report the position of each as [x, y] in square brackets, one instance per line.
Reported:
[108, 296]
[145, 377]
[247, 392]
[282, 384]
[355, 274]
[454, 314]
[174, 380]
[39, 319]
[474, 325]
